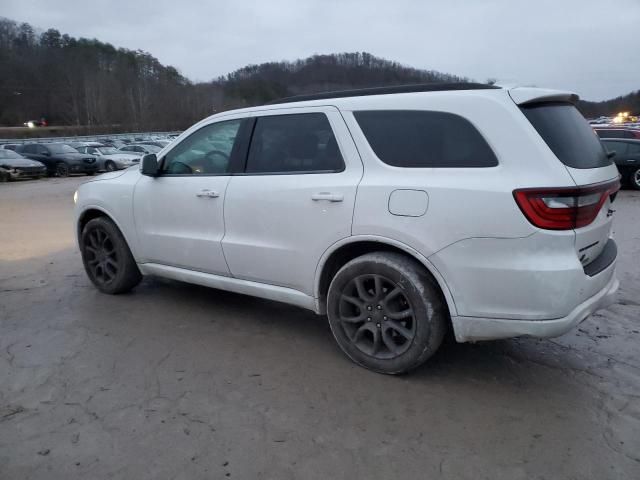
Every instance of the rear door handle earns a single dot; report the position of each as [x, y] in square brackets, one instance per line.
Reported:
[327, 196]
[207, 194]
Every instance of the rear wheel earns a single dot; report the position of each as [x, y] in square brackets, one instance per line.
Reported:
[634, 178]
[107, 258]
[386, 313]
[62, 169]
[5, 177]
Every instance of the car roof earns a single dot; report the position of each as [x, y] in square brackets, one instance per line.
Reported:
[386, 97]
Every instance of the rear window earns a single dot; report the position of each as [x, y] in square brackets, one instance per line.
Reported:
[567, 134]
[424, 139]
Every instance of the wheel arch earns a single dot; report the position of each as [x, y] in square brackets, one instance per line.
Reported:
[347, 249]
[93, 211]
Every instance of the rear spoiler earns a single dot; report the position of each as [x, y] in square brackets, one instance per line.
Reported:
[524, 95]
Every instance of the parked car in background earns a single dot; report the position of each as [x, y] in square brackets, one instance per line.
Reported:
[113, 142]
[627, 159]
[14, 166]
[110, 158]
[59, 158]
[140, 149]
[400, 212]
[77, 145]
[10, 146]
[618, 132]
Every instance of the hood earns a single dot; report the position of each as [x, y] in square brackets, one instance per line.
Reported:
[20, 162]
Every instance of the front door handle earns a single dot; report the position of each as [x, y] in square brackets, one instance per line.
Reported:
[328, 196]
[207, 194]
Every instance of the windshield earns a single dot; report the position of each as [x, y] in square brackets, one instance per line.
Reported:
[9, 154]
[567, 134]
[61, 148]
[108, 150]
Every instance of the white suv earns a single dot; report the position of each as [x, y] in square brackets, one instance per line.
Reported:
[398, 212]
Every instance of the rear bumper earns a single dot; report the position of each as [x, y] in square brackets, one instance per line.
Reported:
[471, 329]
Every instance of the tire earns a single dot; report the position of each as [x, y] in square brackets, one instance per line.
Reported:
[107, 258]
[386, 312]
[5, 177]
[110, 166]
[90, 174]
[634, 179]
[62, 169]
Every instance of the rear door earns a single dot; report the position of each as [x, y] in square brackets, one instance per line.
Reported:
[575, 144]
[295, 198]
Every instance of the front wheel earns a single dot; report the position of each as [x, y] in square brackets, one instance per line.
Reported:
[107, 258]
[62, 169]
[634, 178]
[386, 313]
[109, 166]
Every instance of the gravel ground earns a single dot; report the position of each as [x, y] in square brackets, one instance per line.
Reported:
[179, 381]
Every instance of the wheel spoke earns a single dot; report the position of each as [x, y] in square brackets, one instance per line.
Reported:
[392, 294]
[353, 301]
[376, 341]
[91, 250]
[111, 263]
[377, 281]
[408, 313]
[93, 240]
[388, 341]
[406, 333]
[360, 287]
[359, 332]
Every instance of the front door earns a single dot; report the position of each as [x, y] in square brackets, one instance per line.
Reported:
[179, 214]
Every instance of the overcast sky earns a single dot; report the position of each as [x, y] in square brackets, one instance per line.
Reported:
[588, 46]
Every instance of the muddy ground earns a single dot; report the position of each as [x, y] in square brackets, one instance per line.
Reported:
[179, 381]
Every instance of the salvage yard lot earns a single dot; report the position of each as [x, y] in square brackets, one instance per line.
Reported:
[180, 381]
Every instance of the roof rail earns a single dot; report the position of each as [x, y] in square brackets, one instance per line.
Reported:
[421, 87]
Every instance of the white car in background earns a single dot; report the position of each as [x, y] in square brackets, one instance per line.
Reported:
[399, 212]
[110, 158]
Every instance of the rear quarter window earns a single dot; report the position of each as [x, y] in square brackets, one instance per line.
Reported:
[567, 133]
[424, 139]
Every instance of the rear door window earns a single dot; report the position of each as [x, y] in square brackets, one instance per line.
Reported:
[424, 139]
[298, 143]
[567, 134]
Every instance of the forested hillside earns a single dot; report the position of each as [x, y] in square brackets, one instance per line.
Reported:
[79, 81]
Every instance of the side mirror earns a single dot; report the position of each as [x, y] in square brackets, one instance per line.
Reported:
[150, 165]
[611, 154]
[46, 154]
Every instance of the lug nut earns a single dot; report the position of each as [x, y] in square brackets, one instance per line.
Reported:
[369, 307]
[378, 325]
[384, 318]
[368, 319]
[379, 307]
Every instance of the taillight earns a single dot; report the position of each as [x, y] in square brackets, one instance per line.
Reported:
[564, 208]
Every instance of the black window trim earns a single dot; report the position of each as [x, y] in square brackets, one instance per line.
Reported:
[243, 172]
[237, 151]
